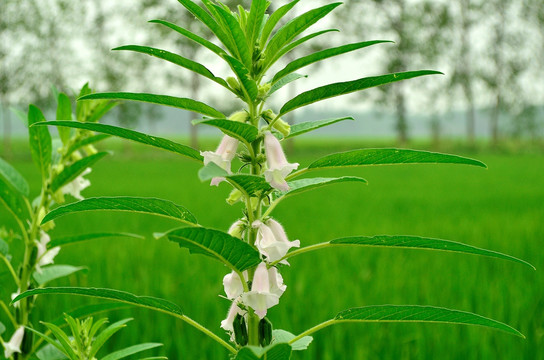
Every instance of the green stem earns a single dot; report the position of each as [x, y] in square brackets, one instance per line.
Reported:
[312, 330]
[297, 174]
[8, 313]
[196, 325]
[302, 251]
[11, 270]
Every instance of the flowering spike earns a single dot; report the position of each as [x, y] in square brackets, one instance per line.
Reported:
[278, 167]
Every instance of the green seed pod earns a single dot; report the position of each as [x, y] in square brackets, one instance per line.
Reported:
[234, 197]
[239, 116]
[28, 339]
[240, 330]
[283, 127]
[265, 332]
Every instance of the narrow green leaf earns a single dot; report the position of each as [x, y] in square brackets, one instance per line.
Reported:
[69, 240]
[62, 338]
[273, 352]
[304, 127]
[148, 302]
[191, 36]
[248, 84]
[368, 157]
[238, 130]
[255, 21]
[342, 88]
[64, 112]
[180, 103]
[412, 313]
[211, 171]
[415, 242]
[273, 21]
[73, 171]
[154, 141]
[50, 341]
[284, 81]
[151, 206]
[90, 310]
[321, 55]
[282, 336]
[303, 185]
[251, 184]
[87, 141]
[105, 335]
[40, 142]
[296, 26]
[130, 351]
[176, 59]
[14, 178]
[99, 110]
[238, 36]
[13, 201]
[53, 272]
[233, 252]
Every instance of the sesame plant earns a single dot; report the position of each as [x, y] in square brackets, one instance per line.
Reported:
[62, 165]
[256, 248]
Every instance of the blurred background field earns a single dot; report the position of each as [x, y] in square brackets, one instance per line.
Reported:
[499, 208]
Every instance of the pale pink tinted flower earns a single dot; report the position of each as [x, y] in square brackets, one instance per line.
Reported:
[278, 167]
[221, 157]
[266, 289]
[233, 285]
[234, 310]
[45, 256]
[77, 185]
[272, 240]
[14, 344]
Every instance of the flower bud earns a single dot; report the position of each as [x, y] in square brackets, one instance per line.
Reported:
[239, 116]
[283, 127]
[236, 230]
[265, 332]
[234, 85]
[76, 156]
[278, 167]
[90, 150]
[234, 196]
[263, 91]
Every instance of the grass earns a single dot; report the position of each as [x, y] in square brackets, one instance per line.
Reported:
[500, 209]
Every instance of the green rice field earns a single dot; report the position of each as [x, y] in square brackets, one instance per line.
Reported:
[501, 208]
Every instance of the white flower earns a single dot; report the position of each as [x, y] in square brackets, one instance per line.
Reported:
[44, 256]
[221, 157]
[227, 324]
[14, 344]
[266, 289]
[14, 295]
[278, 167]
[77, 185]
[233, 285]
[272, 240]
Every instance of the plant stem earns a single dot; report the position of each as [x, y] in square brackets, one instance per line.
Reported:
[11, 270]
[207, 332]
[303, 250]
[8, 313]
[312, 330]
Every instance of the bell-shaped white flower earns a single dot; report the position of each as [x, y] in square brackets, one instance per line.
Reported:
[233, 285]
[278, 167]
[14, 344]
[76, 186]
[227, 324]
[45, 256]
[221, 157]
[272, 240]
[266, 289]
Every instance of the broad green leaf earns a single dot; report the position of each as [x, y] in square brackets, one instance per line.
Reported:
[76, 169]
[251, 184]
[282, 336]
[150, 206]
[210, 22]
[87, 141]
[68, 240]
[130, 351]
[148, 302]
[180, 103]
[302, 128]
[176, 59]
[416, 242]
[14, 178]
[238, 130]
[233, 252]
[13, 201]
[237, 36]
[273, 21]
[296, 26]
[90, 310]
[211, 171]
[130, 135]
[40, 142]
[255, 21]
[50, 273]
[248, 84]
[272, 352]
[105, 335]
[191, 36]
[321, 55]
[302, 185]
[412, 313]
[342, 88]
[368, 157]
[64, 112]
[284, 81]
